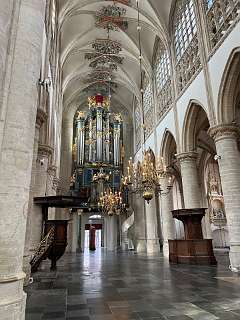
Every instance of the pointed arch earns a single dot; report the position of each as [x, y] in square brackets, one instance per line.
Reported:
[168, 147]
[196, 118]
[229, 89]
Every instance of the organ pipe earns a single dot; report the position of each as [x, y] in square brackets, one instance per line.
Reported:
[107, 139]
[90, 154]
[81, 142]
[99, 128]
[116, 143]
[97, 145]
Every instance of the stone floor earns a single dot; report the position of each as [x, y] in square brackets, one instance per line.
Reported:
[126, 286]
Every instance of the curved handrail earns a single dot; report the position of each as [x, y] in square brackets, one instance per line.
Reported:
[43, 246]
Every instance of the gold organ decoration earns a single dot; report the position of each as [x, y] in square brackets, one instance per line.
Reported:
[80, 115]
[74, 151]
[97, 145]
[93, 102]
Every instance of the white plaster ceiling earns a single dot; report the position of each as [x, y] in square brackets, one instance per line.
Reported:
[78, 31]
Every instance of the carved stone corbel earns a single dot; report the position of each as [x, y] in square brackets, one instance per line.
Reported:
[41, 117]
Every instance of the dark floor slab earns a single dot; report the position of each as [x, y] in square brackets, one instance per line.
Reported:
[125, 286]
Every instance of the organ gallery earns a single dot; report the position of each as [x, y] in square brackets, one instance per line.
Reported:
[97, 149]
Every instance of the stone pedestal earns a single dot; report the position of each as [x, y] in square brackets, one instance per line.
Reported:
[17, 152]
[226, 139]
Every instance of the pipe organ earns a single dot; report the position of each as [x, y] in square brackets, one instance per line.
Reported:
[97, 148]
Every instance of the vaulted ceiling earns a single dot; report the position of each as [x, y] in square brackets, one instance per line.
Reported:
[78, 31]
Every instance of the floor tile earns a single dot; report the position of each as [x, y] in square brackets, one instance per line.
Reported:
[126, 286]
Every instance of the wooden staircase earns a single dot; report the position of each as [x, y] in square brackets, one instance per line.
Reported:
[43, 250]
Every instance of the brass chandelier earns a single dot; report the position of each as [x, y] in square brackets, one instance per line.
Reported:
[145, 177]
[111, 203]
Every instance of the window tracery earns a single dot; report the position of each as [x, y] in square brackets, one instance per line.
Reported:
[163, 81]
[147, 98]
[186, 43]
[138, 126]
[148, 108]
[221, 16]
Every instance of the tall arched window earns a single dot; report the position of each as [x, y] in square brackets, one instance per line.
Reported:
[148, 107]
[161, 63]
[185, 42]
[221, 17]
[162, 69]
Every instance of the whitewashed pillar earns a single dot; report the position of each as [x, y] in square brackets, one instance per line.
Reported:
[152, 230]
[34, 216]
[190, 179]
[112, 233]
[226, 138]
[139, 224]
[17, 154]
[168, 223]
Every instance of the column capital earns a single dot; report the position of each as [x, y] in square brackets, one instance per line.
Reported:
[44, 150]
[167, 178]
[224, 131]
[187, 156]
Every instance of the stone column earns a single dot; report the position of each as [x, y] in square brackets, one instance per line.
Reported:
[139, 224]
[112, 233]
[105, 230]
[66, 155]
[17, 154]
[65, 164]
[190, 179]
[226, 139]
[168, 223]
[152, 230]
[84, 221]
[34, 216]
[39, 190]
[73, 233]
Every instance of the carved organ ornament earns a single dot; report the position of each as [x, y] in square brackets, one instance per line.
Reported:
[97, 149]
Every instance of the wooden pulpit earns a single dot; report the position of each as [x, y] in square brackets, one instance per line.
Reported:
[193, 249]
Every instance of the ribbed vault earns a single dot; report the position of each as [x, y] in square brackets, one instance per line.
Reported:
[78, 31]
